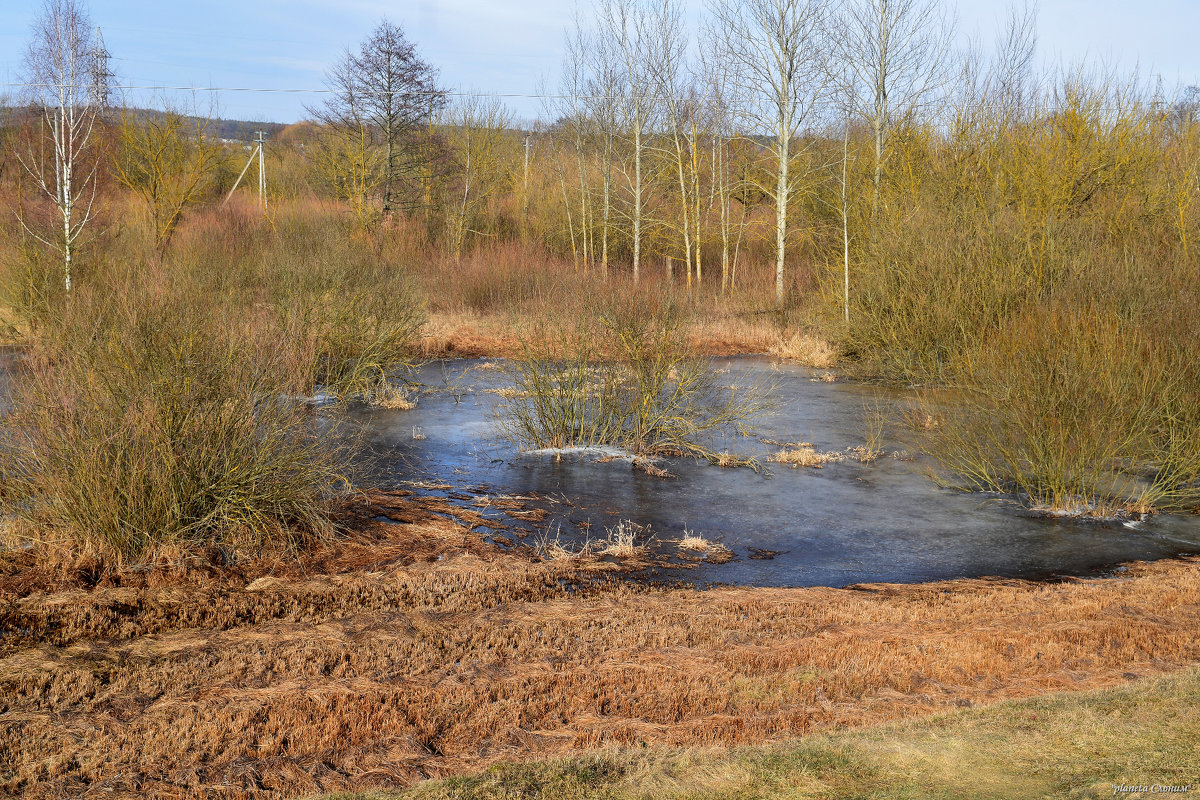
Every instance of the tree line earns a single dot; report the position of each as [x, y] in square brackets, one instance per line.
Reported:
[771, 132]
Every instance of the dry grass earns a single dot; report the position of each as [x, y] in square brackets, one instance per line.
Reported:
[807, 349]
[626, 540]
[553, 548]
[804, 456]
[693, 541]
[726, 459]
[1063, 745]
[468, 334]
[477, 334]
[713, 551]
[398, 398]
[354, 668]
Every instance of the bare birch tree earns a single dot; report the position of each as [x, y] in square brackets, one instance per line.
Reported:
[574, 107]
[624, 24]
[723, 109]
[679, 102]
[67, 74]
[774, 50]
[894, 54]
[602, 87]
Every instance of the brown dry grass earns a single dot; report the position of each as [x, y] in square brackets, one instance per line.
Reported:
[417, 650]
[474, 334]
[807, 349]
[468, 334]
[804, 456]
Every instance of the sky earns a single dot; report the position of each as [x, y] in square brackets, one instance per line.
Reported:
[510, 48]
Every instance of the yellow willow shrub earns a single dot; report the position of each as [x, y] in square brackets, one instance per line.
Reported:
[1075, 412]
[141, 424]
[1094, 143]
[978, 221]
[621, 374]
[169, 160]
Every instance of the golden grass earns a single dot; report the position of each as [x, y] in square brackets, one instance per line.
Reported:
[355, 666]
[804, 456]
[694, 541]
[1073, 745]
[477, 334]
[468, 334]
[626, 540]
[397, 398]
[714, 552]
[807, 349]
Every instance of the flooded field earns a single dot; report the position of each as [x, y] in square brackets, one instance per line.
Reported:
[844, 523]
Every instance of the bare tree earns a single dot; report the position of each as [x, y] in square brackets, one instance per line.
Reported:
[602, 87]
[723, 110]
[572, 108]
[893, 53]
[1014, 86]
[67, 74]
[679, 97]
[387, 87]
[774, 50]
[169, 159]
[478, 130]
[632, 41]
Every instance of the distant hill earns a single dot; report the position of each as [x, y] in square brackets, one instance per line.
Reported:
[243, 130]
[232, 129]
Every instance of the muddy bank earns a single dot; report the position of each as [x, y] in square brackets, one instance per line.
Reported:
[430, 652]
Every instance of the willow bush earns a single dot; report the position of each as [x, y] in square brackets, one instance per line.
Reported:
[347, 311]
[141, 425]
[623, 376]
[1035, 270]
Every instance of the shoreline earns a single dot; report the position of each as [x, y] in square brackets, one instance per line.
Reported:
[350, 668]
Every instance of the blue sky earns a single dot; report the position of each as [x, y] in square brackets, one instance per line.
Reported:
[501, 46]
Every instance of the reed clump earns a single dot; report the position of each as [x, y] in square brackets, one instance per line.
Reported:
[626, 539]
[623, 376]
[807, 349]
[804, 456]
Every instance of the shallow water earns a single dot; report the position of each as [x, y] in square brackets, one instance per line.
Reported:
[845, 523]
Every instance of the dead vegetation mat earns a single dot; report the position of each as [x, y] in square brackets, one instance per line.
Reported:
[412, 648]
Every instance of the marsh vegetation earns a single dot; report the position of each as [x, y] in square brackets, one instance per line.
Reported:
[253, 544]
[623, 377]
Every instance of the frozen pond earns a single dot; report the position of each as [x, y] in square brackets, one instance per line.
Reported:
[845, 523]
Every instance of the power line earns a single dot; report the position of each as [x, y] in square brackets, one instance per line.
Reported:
[437, 93]
[325, 90]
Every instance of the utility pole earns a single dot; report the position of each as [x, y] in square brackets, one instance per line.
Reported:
[260, 140]
[525, 189]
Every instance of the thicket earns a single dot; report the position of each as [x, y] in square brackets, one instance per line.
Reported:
[1022, 247]
[161, 407]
